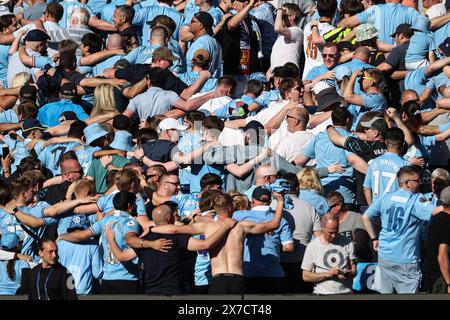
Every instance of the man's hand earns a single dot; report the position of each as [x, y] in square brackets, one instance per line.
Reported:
[392, 113]
[357, 73]
[106, 161]
[109, 232]
[335, 168]
[333, 272]
[24, 257]
[229, 223]
[139, 153]
[109, 73]
[87, 200]
[205, 74]
[117, 82]
[416, 161]
[328, 75]
[315, 23]
[162, 245]
[278, 196]
[375, 245]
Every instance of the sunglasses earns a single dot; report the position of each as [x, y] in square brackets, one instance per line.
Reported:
[333, 205]
[325, 55]
[172, 183]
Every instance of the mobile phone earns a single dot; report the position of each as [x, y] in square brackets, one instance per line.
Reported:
[5, 152]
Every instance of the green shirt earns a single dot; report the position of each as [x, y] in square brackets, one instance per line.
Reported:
[99, 173]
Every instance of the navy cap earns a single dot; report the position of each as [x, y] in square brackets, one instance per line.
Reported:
[32, 124]
[36, 35]
[262, 194]
[255, 125]
[68, 89]
[206, 20]
[67, 115]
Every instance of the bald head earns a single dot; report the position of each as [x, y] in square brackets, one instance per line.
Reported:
[330, 221]
[162, 215]
[362, 53]
[265, 170]
[114, 42]
[409, 95]
[265, 174]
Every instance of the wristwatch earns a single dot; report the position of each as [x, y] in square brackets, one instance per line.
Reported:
[15, 211]
[314, 25]
[375, 239]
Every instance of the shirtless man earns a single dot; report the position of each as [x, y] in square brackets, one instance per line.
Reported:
[227, 255]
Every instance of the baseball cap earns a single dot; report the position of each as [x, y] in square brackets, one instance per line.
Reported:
[445, 47]
[206, 20]
[28, 92]
[327, 98]
[404, 28]
[36, 35]
[67, 115]
[94, 131]
[377, 123]
[201, 55]
[253, 125]
[262, 194]
[164, 53]
[32, 124]
[68, 89]
[171, 124]
[259, 76]
[365, 31]
[9, 240]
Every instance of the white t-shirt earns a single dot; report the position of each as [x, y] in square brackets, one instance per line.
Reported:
[267, 114]
[290, 49]
[213, 104]
[320, 257]
[313, 54]
[231, 137]
[16, 66]
[294, 144]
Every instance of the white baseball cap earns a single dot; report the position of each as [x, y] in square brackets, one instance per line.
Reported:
[171, 123]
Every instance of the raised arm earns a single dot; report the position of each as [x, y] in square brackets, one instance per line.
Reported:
[392, 113]
[336, 137]
[62, 207]
[212, 240]
[349, 95]
[240, 170]
[258, 228]
[234, 22]
[278, 26]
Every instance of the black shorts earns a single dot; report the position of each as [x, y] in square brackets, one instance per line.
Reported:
[120, 287]
[227, 283]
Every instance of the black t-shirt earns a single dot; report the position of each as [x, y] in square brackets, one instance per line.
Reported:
[137, 72]
[396, 60]
[157, 150]
[367, 150]
[438, 233]
[163, 270]
[57, 193]
[54, 283]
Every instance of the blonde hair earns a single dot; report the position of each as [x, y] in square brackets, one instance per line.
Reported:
[20, 79]
[104, 100]
[240, 201]
[308, 178]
